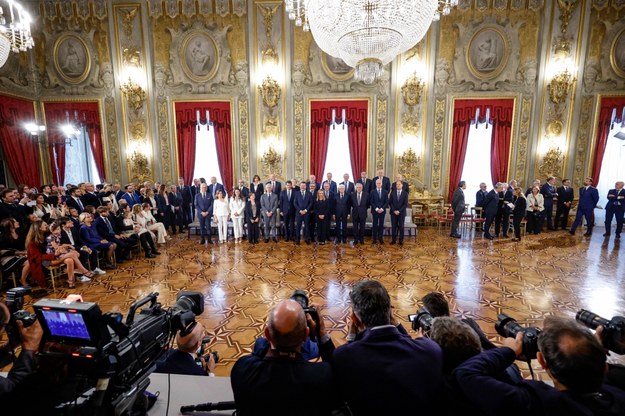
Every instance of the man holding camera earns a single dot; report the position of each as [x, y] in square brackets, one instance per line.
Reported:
[25, 363]
[384, 371]
[571, 356]
[183, 359]
[282, 382]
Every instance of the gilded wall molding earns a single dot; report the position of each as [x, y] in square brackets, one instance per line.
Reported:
[111, 122]
[165, 143]
[523, 140]
[583, 141]
[437, 145]
[191, 8]
[381, 133]
[243, 110]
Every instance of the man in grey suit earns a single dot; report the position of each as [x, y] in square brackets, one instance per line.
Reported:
[268, 210]
[457, 204]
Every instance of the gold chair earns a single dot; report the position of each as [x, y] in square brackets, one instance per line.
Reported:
[56, 272]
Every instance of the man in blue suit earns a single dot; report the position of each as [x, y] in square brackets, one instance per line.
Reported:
[303, 204]
[204, 212]
[588, 198]
[214, 187]
[548, 190]
[287, 211]
[349, 186]
[491, 205]
[379, 203]
[408, 372]
[615, 208]
[333, 187]
[398, 204]
[360, 204]
[130, 196]
[386, 182]
[342, 210]
[180, 360]
[187, 202]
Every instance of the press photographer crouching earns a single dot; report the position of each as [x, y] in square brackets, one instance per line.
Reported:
[572, 357]
[28, 337]
[188, 358]
[282, 382]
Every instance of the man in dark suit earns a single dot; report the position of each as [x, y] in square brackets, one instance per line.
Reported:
[180, 360]
[457, 205]
[214, 187]
[480, 197]
[187, 202]
[204, 212]
[71, 235]
[90, 197]
[408, 372]
[281, 382]
[386, 182]
[502, 218]
[405, 185]
[245, 191]
[548, 191]
[107, 228]
[398, 202]
[312, 179]
[177, 205]
[268, 211]
[588, 198]
[74, 200]
[615, 208]
[379, 202]
[571, 355]
[276, 186]
[342, 211]
[329, 180]
[566, 194]
[131, 196]
[367, 184]
[360, 204]
[10, 207]
[287, 211]
[195, 189]
[491, 204]
[303, 205]
[349, 186]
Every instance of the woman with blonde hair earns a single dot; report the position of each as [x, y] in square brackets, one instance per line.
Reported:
[157, 229]
[535, 208]
[220, 216]
[65, 253]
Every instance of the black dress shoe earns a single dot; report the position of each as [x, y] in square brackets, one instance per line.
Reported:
[401, 243]
[157, 253]
[266, 240]
[274, 239]
[606, 234]
[617, 236]
[307, 241]
[297, 242]
[587, 234]
[381, 241]
[149, 256]
[572, 232]
[505, 236]
[393, 243]
[202, 241]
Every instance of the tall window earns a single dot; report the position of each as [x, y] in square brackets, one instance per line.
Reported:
[612, 168]
[477, 161]
[206, 160]
[79, 161]
[338, 159]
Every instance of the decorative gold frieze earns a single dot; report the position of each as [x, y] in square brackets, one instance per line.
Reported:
[271, 93]
[524, 131]
[551, 164]
[271, 162]
[583, 140]
[163, 130]
[244, 138]
[408, 165]
[412, 90]
[111, 128]
[437, 146]
[298, 140]
[380, 145]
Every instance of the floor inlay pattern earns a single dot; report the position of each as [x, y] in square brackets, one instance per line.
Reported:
[552, 273]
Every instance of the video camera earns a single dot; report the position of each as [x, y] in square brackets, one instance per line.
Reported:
[201, 353]
[508, 327]
[422, 319]
[300, 297]
[108, 362]
[613, 336]
[15, 302]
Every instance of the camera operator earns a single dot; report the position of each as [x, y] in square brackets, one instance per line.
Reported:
[282, 382]
[181, 360]
[384, 371]
[616, 372]
[25, 363]
[571, 356]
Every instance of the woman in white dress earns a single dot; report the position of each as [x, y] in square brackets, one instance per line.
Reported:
[153, 226]
[220, 216]
[237, 213]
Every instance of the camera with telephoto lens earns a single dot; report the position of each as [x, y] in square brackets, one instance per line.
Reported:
[201, 353]
[422, 319]
[300, 297]
[508, 327]
[106, 361]
[613, 337]
[15, 302]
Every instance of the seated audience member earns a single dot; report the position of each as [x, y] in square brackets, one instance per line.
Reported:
[95, 241]
[384, 371]
[13, 256]
[156, 228]
[65, 254]
[107, 228]
[71, 235]
[459, 342]
[282, 382]
[24, 365]
[571, 356]
[141, 229]
[181, 360]
[36, 249]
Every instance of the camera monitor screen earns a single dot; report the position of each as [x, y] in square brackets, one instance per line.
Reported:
[66, 324]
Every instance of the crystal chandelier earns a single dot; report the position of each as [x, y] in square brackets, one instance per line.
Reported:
[367, 34]
[14, 29]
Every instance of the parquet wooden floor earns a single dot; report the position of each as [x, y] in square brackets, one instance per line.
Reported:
[551, 273]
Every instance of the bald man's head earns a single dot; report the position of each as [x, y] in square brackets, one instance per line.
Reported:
[286, 326]
[190, 343]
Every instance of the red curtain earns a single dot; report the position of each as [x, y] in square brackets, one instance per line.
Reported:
[20, 150]
[186, 125]
[464, 113]
[501, 113]
[356, 116]
[608, 104]
[85, 114]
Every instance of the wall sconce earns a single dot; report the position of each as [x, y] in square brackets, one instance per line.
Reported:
[412, 90]
[35, 129]
[560, 86]
[271, 93]
[272, 160]
[409, 163]
[134, 93]
[552, 163]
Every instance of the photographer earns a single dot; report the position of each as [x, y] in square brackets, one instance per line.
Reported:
[571, 356]
[182, 360]
[282, 382]
[25, 363]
